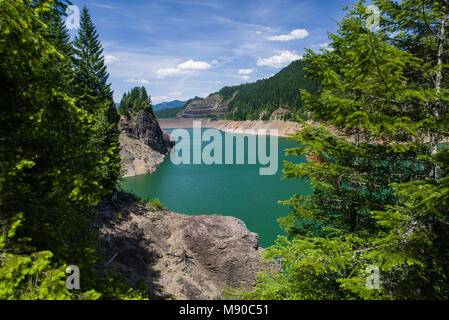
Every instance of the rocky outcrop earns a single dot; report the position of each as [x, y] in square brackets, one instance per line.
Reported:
[143, 143]
[212, 106]
[279, 114]
[180, 257]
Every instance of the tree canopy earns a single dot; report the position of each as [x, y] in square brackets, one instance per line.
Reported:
[265, 96]
[50, 155]
[381, 180]
[135, 100]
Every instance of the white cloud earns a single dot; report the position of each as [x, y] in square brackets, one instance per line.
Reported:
[159, 99]
[214, 82]
[278, 61]
[194, 65]
[167, 97]
[139, 81]
[295, 34]
[168, 72]
[246, 78]
[246, 71]
[184, 68]
[104, 6]
[110, 59]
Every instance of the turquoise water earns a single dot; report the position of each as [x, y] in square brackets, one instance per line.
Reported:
[229, 190]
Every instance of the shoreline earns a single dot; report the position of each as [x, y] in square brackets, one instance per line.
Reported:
[285, 128]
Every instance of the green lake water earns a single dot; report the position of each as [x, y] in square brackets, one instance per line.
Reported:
[228, 190]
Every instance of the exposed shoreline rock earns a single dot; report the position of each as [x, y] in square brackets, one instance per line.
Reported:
[285, 128]
[179, 256]
[143, 143]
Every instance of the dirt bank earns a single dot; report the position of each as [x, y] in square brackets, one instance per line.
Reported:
[284, 128]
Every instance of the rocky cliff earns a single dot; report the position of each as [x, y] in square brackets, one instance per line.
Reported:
[180, 257]
[212, 106]
[143, 143]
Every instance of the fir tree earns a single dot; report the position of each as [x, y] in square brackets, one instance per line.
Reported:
[47, 190]
[374, 201]
[134, 101]
[90, 85]
[47, 172]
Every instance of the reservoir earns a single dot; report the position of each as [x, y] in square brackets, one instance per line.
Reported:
[236, 190]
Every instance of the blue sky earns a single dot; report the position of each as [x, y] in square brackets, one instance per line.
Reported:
[179, 49]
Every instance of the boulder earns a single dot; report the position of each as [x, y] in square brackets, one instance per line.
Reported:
[179, 256]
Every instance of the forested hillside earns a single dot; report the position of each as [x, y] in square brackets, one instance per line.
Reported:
[169, 105]
[59, 154]
[169, 113]
[260, 99]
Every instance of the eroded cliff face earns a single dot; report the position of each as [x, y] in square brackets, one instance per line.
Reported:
[214, 105]
[180, 257]
[143, 143]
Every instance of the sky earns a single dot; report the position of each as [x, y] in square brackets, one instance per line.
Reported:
[179, 49]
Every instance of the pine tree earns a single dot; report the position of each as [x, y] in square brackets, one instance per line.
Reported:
[46, 184]
[90, 85]
[374, 201]
[48, 190]
[134, 101]
[123, 106]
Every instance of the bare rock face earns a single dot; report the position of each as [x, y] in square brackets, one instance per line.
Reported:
[143, 143]
[228, 251]
[181, 257]
[214, 105]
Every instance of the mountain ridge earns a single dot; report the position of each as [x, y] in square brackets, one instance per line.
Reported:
[276, 97]
[169, 105]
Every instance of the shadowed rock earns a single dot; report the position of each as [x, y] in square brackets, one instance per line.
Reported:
[143, 143]
[184, 257]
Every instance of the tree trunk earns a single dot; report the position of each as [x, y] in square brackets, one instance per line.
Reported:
[434, 137]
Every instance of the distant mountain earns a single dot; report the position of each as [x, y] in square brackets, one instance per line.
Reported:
[277, 97]
[169, 105]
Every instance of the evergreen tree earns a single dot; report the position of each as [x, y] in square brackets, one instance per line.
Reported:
[134, 101]
[48, 190]
[90, 85]
[46, 184]
[380, 184]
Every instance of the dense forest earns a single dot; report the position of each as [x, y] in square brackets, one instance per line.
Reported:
[59, 154]
[258, 100]
[134, 101]
[265, 96]
[173, 112]
[169, 113]
[377, 223]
